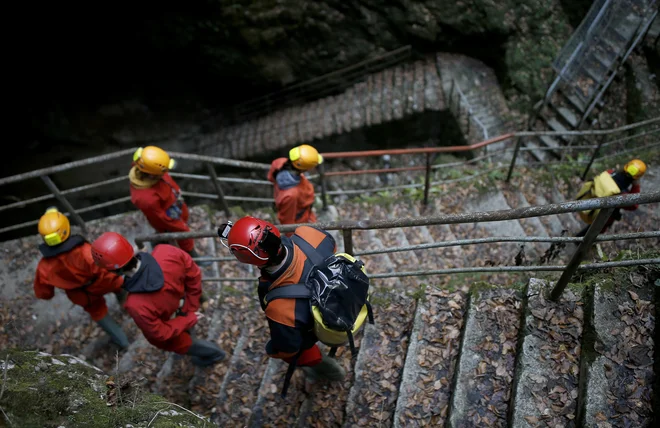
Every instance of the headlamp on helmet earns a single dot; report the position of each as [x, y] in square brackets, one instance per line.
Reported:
[251, 240]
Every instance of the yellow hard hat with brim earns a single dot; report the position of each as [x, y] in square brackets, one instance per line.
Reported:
[305, 157]
[54, 227]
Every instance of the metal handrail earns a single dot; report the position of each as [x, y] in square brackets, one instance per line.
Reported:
[606, 206]
[303, 90]
[469, 110]
[263, 166]
[617, 201]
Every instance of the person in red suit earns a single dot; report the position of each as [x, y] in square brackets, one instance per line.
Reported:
[293, 192]
[67, 264]
[627, 180]
[164, 290]
[158, 196]
[282, 262]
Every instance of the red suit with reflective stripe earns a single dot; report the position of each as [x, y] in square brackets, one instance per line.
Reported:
[164, 208]
[69, 266]
[293, 193]
[290, 320]
[164, 277]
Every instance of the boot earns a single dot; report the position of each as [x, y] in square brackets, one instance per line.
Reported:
[195, 254]
[328, 369]
[113, 330]
[205, 353]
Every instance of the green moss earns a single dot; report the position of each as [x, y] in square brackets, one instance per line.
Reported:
[41, 392]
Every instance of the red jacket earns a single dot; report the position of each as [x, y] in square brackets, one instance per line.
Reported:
[294, 195]
[69, 266]
[163, 207]
[165, 276]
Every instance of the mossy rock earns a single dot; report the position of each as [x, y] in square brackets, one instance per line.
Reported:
[43, 390]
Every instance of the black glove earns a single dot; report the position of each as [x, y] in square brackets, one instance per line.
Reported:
[616, 214]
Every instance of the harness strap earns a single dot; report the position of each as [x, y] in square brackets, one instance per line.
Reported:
[309, 251]
[292, 291]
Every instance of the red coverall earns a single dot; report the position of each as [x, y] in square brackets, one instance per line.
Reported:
[70, 271]
[294, 205]
[290, 320]
[159, 203]
[153, 311]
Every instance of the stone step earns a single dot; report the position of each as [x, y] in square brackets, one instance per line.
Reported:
[397, 99]
[419, 73]
[538, 154]
[548, 364]
[570, 117]
[387, 97]
[433, 94]
[430, 364]
[379, 366]
[618, 366]
[484, 376]
[555, 125]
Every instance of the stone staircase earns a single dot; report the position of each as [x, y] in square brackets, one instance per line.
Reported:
[392, 94]
[585, 68]
[450, 350]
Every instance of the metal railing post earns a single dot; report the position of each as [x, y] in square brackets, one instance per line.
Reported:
[348, 240]
[427, 179]
[576, 259]
[513, 159]
[72, 212]
[324, 191]
[218, 189]
[591, 161]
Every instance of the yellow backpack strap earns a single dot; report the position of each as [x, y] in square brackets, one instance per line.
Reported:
[585, 190]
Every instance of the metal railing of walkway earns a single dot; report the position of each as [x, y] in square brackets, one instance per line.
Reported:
[641, 133]
[605, 205]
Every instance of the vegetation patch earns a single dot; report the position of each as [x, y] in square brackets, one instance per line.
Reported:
[46, 390]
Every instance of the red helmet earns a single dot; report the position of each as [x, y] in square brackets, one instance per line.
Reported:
[112, 251]
[253, 241]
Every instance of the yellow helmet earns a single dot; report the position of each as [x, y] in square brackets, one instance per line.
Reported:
[305, 157]
[54, 227]
[152, 160]
[636, 168]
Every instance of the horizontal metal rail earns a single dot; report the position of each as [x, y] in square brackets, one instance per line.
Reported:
[81, 210]
[220, 161]
[495, 269]
[491, 240]
[420, 150]
[498, 239]
[65, 166]
[21, 204]
[617, 201]
[296, 88]
[221, 179]
[368, 153]
[229, 198]
[602, 265]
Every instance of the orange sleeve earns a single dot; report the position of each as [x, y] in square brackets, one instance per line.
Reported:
[42, 290]
[192, 283]
[152, 208]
